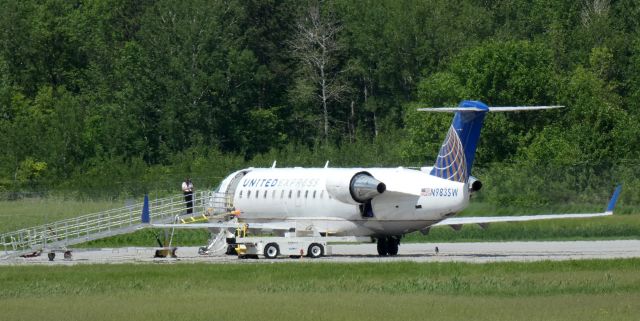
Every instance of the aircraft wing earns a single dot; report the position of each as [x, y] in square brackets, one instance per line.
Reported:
[519, 218]
[456, 222]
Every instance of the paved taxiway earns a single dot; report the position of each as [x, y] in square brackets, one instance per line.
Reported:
[421, 252]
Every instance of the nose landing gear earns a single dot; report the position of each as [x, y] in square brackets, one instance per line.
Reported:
[388, 245]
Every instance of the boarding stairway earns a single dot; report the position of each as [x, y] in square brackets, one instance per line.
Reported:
[58, 236]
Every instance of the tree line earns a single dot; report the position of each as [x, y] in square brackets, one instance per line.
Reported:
[109, 94]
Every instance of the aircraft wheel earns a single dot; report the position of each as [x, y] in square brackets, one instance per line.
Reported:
[315, 250]
[231, 250]
[392, 245]
[51, 256]
[382, 247]
[271, 251]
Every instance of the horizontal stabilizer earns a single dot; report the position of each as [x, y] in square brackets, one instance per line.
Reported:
[491, 109]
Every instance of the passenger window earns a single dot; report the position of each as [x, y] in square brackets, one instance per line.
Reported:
[282, 194]
[306, 193]
[248, 193]
[257, 193]
[314, 194]
[265, 194]
[273, 194]
[240, 196]
[290, 191]
[298, 193]
[321, 194]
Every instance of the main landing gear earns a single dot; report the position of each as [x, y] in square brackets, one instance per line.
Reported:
[388, 245]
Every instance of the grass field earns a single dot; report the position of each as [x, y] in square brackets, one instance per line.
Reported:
[36, 211]
[571, 290]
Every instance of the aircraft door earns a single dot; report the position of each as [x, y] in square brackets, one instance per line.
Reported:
[230, 190]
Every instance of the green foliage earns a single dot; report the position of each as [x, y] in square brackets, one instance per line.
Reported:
[122, 97]
[30, 170]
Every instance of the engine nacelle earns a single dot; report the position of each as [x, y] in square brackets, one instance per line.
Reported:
[474, 184]
[355, 189]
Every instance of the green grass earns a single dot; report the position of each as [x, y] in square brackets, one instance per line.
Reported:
[147, 237]
[570, 290]
[36, 211]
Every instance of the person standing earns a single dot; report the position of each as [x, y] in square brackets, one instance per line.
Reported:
[187, 189]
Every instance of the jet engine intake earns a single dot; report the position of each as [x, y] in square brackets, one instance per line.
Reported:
[358, 189]
[364, 187]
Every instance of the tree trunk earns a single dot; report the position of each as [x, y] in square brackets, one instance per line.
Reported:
[324, 105]
[352, 125]
[375, 124]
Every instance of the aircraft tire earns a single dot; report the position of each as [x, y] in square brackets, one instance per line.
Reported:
[382, 247]
[231, 250]
[315, 250]
[392, 246]
[271, 251]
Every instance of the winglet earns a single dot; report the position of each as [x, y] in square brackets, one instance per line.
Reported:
[614, 200]
[145, 217]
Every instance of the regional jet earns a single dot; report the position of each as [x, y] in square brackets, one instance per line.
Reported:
[383, 203]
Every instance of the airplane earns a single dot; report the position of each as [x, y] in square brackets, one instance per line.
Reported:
[383, 203]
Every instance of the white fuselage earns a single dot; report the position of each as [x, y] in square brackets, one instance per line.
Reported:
[315, 197]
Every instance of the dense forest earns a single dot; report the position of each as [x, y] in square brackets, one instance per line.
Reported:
[120, 97]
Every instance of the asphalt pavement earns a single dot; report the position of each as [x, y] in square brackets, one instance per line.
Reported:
[481, 252]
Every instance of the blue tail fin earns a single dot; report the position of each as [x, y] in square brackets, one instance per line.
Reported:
[458, 150]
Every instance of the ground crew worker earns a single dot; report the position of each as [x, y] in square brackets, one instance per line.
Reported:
[187, 189]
